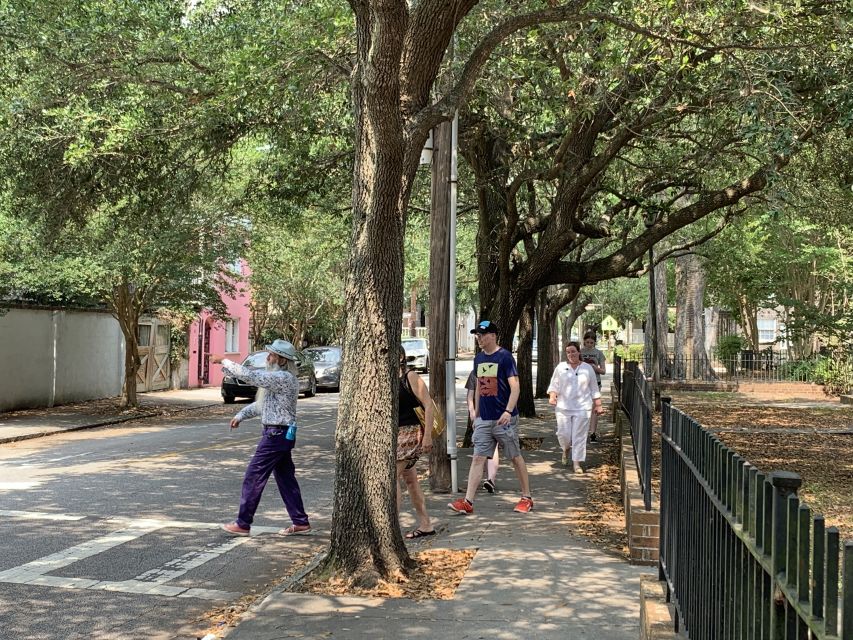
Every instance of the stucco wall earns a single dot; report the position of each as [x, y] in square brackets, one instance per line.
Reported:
[237, 309]
[56, 356]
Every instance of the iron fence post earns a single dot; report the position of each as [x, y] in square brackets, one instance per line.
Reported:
[785, 483]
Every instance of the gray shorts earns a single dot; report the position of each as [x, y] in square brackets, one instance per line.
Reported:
[487, 435]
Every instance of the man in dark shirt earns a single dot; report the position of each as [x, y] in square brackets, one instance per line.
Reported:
[496, 416]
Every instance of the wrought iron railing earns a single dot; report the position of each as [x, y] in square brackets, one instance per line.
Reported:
[617, 375]
[747, 366]
[636, 400]
[742, 557]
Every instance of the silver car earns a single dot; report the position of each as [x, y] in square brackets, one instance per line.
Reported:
[327, 366]
[417, 353]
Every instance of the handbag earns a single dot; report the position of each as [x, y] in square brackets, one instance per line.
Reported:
[438, 422]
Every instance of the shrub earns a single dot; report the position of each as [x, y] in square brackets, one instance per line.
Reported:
[728, 349]
[629, 352]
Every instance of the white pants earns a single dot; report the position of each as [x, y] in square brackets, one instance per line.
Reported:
[572, 430]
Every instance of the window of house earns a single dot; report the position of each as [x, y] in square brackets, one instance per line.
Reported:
[232, 336]
[162, 335]
[766, 329]
[143, 335]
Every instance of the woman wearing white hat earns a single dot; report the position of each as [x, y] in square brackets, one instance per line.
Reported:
[275, 402]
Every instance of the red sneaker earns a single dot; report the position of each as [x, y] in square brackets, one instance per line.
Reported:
[462, 506]
[235, 529]
[525, 505]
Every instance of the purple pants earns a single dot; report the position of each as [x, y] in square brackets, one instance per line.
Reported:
[271, 456]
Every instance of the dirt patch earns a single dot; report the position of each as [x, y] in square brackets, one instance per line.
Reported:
[530, 444]
[436, 577]
[602, 518]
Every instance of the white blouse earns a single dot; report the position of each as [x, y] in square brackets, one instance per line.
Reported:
[575, 388]
[279, 401]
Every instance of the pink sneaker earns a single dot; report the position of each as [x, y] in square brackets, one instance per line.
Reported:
[461, 505]
[235, 529]
[296, 530]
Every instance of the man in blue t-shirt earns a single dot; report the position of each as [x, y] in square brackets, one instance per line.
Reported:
[496, 416]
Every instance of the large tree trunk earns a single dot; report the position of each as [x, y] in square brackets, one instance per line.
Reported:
[439, 280]
[366, 543]
[526, 407]
[551, 301]
[689, 318]
[662, 324]
[547, 344]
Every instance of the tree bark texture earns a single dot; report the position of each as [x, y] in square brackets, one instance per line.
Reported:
[749, 321]
[550, 302]
[127, 308]
[546, 344]
[691, 357]
[439, 281]
[365, 539]
[526, 407]
[662, 318]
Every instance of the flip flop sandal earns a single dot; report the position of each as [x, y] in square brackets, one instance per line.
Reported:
[417, 533]
[293, 531]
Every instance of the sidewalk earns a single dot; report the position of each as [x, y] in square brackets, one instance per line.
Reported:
[35, 423]
[532, 577]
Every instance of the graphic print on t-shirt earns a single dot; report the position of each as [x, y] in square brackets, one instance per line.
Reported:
[487, 378]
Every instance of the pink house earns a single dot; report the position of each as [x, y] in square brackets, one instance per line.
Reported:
[229, 336]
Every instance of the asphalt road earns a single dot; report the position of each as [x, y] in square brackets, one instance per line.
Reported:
[114, 532]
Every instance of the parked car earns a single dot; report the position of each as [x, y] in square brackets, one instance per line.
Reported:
[327, 366]
[233, 388]
[417, 353]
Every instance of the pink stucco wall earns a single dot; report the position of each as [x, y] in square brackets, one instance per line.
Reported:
[208, 335]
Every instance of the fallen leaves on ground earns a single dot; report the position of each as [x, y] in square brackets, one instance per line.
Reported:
[823, 460]
[530, 444]
[602, 518]
[436, 576]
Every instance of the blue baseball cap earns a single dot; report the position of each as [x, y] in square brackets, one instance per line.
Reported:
[485, 326]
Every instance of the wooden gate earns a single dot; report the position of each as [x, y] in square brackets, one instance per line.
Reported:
[154, 372]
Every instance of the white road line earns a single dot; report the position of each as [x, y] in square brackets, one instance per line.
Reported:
[179, 566]
[152, 582]
[79, 552]
[36, 515]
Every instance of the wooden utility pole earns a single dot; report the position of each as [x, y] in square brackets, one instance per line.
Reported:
[439, 277]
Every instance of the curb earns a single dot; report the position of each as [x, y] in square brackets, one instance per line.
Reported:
[101, 423]
[284, 586]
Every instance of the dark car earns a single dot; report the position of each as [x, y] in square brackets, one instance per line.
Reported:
[235, 388]
[327, 366]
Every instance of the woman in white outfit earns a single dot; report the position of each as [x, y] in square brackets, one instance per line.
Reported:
[574, 392]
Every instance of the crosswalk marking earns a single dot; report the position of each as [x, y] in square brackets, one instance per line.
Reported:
[37, 515]
[151, 582]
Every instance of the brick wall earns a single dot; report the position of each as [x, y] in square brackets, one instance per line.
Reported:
[784, 389]
[656, 614]
[643, 526]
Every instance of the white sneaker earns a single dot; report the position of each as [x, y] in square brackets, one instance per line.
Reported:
[578, 467]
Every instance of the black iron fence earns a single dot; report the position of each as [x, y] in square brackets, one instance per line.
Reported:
[617, 375]
[747, 366]
[742, 557]
[636, 399]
